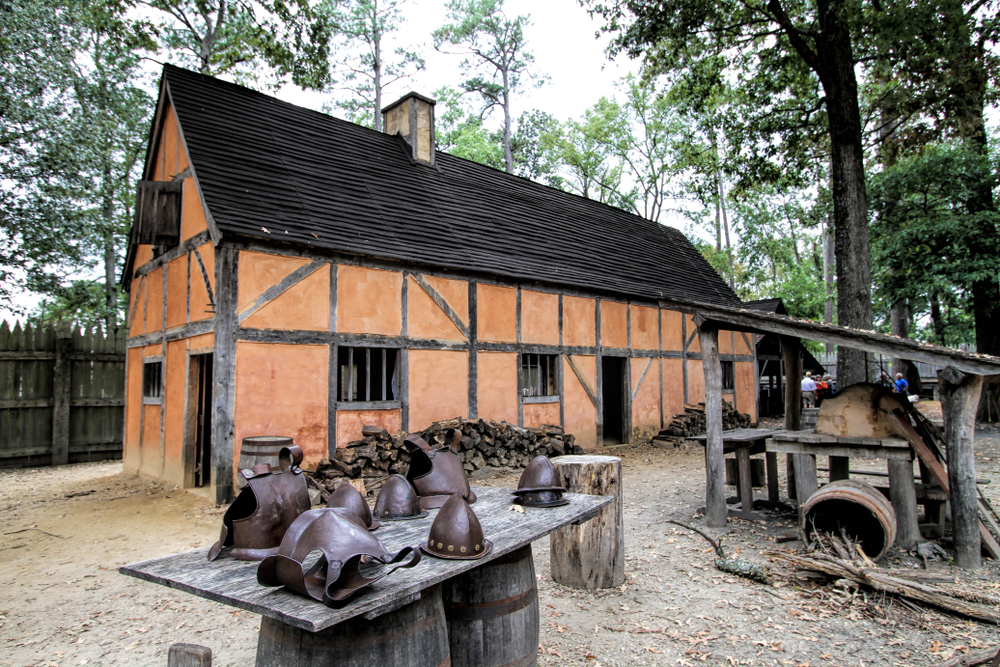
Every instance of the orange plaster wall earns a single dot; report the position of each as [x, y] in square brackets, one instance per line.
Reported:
[673, 338]
[202, 342]
[154, 300]
[350, 422]
[439, 386]
[137, 295]
[133, 406]
[725, 342]
[259, 270]
[173, 418]
[496, 396]
[614, 325]
[578, 321]
[746, 398]
[282, 390]
[305, 305]
[199, 293]
[151, 460]
[692, 333]
[539, 318]
[497, 308]
[646, 406]
[673, 388]
[645, 328]
[192, 214]
[580, 412]
[426, 319]
[369, 301]
[536, 414]
[177, 282]
[455, 292]
[741, 343]
[696, 382]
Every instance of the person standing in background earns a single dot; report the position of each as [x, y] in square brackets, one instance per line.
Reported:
[808, 391]
[900, 386]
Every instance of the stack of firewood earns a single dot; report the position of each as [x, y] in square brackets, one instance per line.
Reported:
[498, 444]
[692, 422]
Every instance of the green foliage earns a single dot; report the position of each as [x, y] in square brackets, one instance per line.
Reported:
[83, 302]
[360, 64]
[496, 58]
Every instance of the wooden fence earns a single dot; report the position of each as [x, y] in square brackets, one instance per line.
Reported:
[62, 395]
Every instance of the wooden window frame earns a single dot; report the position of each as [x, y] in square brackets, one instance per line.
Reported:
[548, 377]
[368, 402]
[152, 382]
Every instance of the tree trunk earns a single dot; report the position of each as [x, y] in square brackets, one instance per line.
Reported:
[508, 157]
[899, 325]
[850, 202]
[828, 286]
[377, 67]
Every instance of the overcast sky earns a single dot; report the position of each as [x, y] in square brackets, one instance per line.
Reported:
[561, 37]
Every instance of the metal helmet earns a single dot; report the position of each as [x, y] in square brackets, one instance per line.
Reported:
[539, 485]
[398, 501]
[336, 576]
[272, 499]
[349, 498]
[456, 532]
[438, 473]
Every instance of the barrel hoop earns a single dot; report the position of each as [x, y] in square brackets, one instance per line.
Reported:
[258, 453]
[464, 611]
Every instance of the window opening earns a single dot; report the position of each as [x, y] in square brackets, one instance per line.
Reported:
[728, 375]
[538, 375]
[367, 374]
[152, 375]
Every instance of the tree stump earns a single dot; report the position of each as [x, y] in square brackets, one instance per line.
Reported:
[189, 655]
[591, 555]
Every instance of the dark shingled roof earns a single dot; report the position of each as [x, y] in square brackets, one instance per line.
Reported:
[767, 306]
[319, 181]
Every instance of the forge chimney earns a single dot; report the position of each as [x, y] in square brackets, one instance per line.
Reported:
[412, 117]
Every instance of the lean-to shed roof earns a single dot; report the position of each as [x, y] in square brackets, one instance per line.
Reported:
[311, 179]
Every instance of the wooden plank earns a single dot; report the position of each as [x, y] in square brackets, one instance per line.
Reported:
[803, 448]
[233, 582]
[224, 371]
[442, 304]
[715, 491]
[61, 397]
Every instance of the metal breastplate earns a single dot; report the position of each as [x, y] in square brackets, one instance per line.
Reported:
[256, 522]
[336, 575]
[437, 473]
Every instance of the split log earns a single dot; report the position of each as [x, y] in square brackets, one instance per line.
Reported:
[591, 555]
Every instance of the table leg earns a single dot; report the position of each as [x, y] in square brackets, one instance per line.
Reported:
[790, 475]
[805, 476]
[904, 501]
[771, 461]
[840, 468]
[746, 486]
[415, 635]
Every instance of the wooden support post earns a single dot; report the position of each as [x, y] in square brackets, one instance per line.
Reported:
[903, 495]
[959, 400]
[591, 555]
[840, 468]
[791, 353]
[805, 476]
[189, 655]
[62, 380]
[715, 491]
[773, 492]
[224, 371]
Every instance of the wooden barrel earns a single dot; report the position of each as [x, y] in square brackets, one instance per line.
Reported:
[260, 449]
[492, 613]
[861, 510]
[415, 635]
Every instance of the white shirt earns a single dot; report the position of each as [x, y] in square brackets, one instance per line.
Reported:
[808, 384]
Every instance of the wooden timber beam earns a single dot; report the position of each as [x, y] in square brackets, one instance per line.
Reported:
[737, 319]
[715, 491]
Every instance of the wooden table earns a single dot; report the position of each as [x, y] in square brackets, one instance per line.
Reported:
[744, 442]
[234, 582]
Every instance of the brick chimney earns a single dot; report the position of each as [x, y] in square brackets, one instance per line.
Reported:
[412, 117]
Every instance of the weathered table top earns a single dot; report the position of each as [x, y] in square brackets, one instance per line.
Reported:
[810, 442]
[741, 435]
[234, 582]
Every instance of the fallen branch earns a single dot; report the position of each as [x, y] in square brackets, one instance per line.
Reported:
[741, 567]
[885, 583]
[24, 530]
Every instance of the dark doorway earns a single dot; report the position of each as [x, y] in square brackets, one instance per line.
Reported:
[203, 420]
[614, 399]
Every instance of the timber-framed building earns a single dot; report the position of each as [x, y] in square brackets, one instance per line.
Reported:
[294, 274]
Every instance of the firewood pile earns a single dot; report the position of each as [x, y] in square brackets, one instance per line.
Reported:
[692, 422]
[379, 454]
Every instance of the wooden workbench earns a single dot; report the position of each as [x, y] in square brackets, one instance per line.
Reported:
[234, 582]
[744, 442]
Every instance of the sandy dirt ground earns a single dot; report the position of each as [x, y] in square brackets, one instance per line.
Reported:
[66, 530]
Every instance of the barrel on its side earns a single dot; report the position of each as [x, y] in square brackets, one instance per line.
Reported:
[259, 449]
[415, 635]
[492, 613]
[864, 514]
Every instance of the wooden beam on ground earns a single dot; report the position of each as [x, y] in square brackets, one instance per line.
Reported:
[715, 490]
